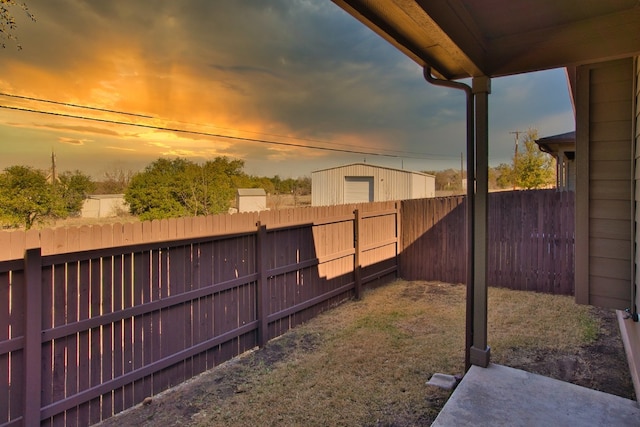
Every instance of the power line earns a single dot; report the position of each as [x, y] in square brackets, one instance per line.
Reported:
[398, 153]
[192, 132]
[68, 104]
[408, 153]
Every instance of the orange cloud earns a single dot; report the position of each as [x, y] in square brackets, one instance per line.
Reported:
[72, 141]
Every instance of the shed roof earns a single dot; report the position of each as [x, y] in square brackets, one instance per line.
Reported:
[373, 166]
[251, 192]
[470, 38]
[105, 196]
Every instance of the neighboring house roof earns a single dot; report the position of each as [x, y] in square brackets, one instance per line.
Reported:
[569, 137]
[373, 166]
[471, 38]
[553, 144]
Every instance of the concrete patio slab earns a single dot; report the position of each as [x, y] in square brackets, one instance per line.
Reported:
[503, 396]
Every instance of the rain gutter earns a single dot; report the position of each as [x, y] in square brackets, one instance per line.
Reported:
[470, 204]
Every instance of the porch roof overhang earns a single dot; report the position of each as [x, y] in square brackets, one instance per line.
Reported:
[471, 38]
[555, 143]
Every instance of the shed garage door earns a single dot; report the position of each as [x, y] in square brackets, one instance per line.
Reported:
[358, 189]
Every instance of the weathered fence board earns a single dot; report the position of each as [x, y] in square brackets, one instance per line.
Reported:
[127, 311]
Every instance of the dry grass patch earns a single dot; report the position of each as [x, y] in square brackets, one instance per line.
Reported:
[529, 320]
[366, 362]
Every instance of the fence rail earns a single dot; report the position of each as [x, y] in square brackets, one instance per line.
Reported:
[90, 329]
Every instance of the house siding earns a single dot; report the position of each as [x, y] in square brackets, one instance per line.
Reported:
[604, 237]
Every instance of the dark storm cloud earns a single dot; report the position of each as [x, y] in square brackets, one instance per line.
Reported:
[305, 64]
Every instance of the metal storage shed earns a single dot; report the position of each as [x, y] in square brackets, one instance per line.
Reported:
[251, 199]
[362, 183]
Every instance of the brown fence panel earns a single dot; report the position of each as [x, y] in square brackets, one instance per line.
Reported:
[379, 242]
[433, 238]
[311, 256]
[126, 311]
[530, 240]
[119, 326]
[12, 329]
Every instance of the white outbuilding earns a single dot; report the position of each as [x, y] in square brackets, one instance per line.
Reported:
[362, 183]
[103, 206]
[251, 200]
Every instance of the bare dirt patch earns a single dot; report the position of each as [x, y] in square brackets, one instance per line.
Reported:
[600, 365]
[366, 362]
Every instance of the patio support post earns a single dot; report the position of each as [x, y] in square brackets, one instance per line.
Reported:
[32, 338]
[471, 165]
[480, 351]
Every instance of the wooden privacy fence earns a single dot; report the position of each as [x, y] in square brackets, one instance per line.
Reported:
[530, 240]
[93, 320]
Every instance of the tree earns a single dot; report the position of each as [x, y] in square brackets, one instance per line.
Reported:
[303, 186]
[25, 196]
[531, 168]
[447, 180]
[218, 180]
[71, 190]
[8, 22]
[151, 193]
[506, 176]
[179, 187]
[114, 181]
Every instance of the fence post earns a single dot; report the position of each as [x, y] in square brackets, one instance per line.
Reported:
[399, 244]
[32, 337]
[262, 285]
[357, 272]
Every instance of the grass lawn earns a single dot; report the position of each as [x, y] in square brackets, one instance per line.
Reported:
[365, 363]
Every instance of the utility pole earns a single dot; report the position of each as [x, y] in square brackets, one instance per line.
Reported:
[54, 175]
[515, 156]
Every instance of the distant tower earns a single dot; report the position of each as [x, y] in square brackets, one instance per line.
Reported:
[515, 155]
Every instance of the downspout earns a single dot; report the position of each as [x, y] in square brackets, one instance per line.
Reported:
[633, 308]
[470, 204]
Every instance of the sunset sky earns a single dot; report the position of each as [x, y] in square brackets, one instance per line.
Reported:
[288, 73]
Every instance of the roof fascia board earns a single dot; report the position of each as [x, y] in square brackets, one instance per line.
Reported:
[432, 47]
[442, 34]
[456, 23]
